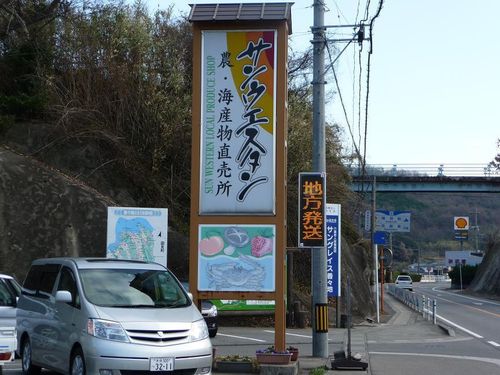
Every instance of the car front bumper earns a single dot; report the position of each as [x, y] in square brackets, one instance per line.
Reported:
[129, 358]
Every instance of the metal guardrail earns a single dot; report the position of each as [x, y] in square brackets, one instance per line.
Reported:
[423, 305]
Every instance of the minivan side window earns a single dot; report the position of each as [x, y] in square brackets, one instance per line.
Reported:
[7, 298]
[67, 282]
[41, 278]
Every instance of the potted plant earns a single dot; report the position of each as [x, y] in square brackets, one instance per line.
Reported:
[294, 351]
[273, 357]
[235, 364]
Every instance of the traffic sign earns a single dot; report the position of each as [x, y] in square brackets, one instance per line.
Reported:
[392, 221]
[379, 238]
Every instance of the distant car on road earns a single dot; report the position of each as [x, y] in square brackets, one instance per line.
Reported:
[404, 282]
[209, 312]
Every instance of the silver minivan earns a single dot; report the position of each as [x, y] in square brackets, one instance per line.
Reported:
[109, 317]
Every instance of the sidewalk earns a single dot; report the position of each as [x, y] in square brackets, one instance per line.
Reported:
[399, 322]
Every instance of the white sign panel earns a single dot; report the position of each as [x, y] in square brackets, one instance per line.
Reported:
[238, 84]
[137, 233]
[392, 221]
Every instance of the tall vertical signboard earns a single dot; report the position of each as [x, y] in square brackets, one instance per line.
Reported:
[333, 249]
[312, 209]
[238, 170]
[238, 128]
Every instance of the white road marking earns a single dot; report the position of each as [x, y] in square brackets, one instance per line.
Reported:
[478, 303]
[480, 359]
[459, 327]
[494, 343]
[292, 334]
[240, 337]
[436, 288]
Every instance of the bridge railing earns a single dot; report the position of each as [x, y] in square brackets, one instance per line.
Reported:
[451, 170]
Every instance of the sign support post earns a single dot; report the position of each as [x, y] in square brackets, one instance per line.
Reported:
[238, 159]
[318, 277]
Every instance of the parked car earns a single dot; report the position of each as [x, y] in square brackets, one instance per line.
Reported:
[108, 316]
[10, 290]
[8, 302]
[404, 282]
[209, 312]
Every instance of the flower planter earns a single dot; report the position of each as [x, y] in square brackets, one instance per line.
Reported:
[295, 354]
[274, 358]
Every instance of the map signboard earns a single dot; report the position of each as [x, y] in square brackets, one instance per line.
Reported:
[392, 221]
[137, 233]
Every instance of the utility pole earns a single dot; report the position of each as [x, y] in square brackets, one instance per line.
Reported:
[319, 258]
[375, 248]
[476, 229]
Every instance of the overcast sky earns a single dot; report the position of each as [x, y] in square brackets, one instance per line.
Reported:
[434, 77]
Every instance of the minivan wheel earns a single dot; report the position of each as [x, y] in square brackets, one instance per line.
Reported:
[26, 359]
[77, 363]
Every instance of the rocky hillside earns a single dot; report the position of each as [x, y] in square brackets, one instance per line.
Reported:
[44, 212]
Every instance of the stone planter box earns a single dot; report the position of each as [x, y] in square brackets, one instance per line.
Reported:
[235, 367]
[274, 358]
[295, 354]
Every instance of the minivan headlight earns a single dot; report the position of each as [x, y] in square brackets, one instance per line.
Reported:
[106, 329]
[199, 330]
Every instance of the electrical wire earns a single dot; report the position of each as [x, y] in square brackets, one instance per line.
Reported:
[360, 90]
[381, 3]
[332, 62]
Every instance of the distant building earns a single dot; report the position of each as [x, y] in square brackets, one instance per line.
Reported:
[468, 257]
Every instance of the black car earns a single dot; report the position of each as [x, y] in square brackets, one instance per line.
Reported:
[209, 312]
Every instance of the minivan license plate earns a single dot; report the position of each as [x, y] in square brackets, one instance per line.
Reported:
[161, 364]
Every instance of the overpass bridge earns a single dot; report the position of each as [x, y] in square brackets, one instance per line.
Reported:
[470, 178]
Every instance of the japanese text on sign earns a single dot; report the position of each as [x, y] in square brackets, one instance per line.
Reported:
[237, 169]
[333, 249]
[311, 210]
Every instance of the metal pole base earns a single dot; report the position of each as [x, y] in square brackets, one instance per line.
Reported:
[348, 364]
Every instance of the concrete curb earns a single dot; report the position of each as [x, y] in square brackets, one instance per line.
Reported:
[450, 331]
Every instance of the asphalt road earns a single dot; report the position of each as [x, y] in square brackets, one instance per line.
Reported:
[477, 317]
[405, 346]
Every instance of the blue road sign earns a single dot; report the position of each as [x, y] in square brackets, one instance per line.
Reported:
[392, 221]
[333, 248]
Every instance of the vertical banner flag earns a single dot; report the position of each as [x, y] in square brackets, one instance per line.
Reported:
[333, 249]
[311, 209]
[238, 105]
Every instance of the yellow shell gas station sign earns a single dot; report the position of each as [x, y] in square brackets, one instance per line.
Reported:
[461, 223]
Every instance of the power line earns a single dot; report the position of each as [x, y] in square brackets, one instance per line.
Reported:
[332, 62]
[368, 80]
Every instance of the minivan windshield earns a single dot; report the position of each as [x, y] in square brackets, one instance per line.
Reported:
[133, 288]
